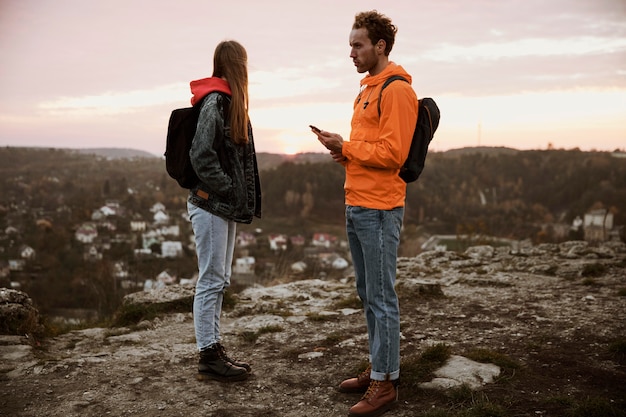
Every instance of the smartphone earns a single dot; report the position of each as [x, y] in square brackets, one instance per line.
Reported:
[315, 129]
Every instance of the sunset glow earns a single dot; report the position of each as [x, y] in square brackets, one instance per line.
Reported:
[522, 74]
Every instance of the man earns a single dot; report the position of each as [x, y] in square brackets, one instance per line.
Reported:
[375, 197]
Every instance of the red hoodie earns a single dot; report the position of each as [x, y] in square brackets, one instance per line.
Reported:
[201, 88]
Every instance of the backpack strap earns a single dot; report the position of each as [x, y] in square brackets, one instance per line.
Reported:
[385, 84]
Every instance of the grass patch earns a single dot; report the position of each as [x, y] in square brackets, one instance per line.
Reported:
[463, 402]
[333, 339]
[411, 291]
[316, 317]
[489, 356]
[590, 282]
[618, 349]
[251, 337]
[595, 407]
[351, 302]
[593, 270]
[484, 408]
[131, 314]
[420, 368]
[230, 301]
[53, 329]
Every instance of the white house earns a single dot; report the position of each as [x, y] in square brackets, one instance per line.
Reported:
[245, 239]
[149, 238]
[244, 265]
[166, 278]
[171, 249]
[323, 239]
[161, 217]
[137, 225]
[170, 230]
[157, 207]
[278, 242]
[597, 225]
[86, 233]
[26, 252]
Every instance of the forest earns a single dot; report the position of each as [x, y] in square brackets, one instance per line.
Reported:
[500, 191]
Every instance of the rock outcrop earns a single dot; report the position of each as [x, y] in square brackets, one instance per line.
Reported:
[536, 307]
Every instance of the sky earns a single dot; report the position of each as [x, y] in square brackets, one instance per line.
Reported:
[525, 74]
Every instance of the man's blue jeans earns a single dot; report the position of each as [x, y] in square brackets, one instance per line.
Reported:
[215, 245]
[374, 236]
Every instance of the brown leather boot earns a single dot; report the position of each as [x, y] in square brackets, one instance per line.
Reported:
[381, 396]
[358, 384]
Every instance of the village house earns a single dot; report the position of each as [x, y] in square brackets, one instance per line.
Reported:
[92, 253]
[166, 278]
[244, 265]
[324, 240]
[297, 240]
[150, 238]
[277, 241]
[107, 225]
[156, 207]
[108, 211]
[17, 264]
[97, 215]
[27, 252]
[86, 233]
[160, 217]
[137, 225]
[245, 239]
[171, 249]
[120, 270]
[598, 225]
[169, 230]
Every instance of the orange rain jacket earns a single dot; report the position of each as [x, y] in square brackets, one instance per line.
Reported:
[379, 146]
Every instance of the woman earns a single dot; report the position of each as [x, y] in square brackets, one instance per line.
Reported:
[229, 192]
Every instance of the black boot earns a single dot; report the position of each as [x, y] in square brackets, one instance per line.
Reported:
[212, 365]
[235, 362]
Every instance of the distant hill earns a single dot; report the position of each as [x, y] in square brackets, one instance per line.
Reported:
[115, 153]
[481, 150]
[268, 160]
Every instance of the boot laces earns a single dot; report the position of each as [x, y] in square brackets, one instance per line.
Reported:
[372, 390]
[365, 374]
[221, 351]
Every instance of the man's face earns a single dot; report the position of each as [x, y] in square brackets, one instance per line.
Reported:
[362, 52]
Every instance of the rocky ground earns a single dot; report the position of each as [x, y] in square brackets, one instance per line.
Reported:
[551, 316]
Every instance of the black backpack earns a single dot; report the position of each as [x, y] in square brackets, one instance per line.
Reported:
[427, 123]
[180, 132]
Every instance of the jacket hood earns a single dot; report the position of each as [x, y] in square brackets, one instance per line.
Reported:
[201, 88]
[391, 69]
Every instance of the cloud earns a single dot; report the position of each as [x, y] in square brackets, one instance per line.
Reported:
[536, 47]
[112, 103]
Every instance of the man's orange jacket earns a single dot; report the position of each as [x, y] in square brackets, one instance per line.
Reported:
[378, 146]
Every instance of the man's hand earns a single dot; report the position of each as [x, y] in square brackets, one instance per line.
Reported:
[331, 141]
[338, 157]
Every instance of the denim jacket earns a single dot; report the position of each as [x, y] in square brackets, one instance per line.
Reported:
[229, 184]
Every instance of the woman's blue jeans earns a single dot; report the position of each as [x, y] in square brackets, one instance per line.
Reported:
[215, 245]
[374, 236]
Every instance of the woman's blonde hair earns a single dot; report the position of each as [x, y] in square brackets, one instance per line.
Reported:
[230, 61]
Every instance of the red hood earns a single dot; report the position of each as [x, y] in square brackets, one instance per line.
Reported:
[200, 88]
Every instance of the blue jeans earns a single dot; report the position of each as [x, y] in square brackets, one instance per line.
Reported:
[374, 236]
[215, 245]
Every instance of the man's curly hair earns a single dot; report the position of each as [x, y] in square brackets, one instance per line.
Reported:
[378, 27]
